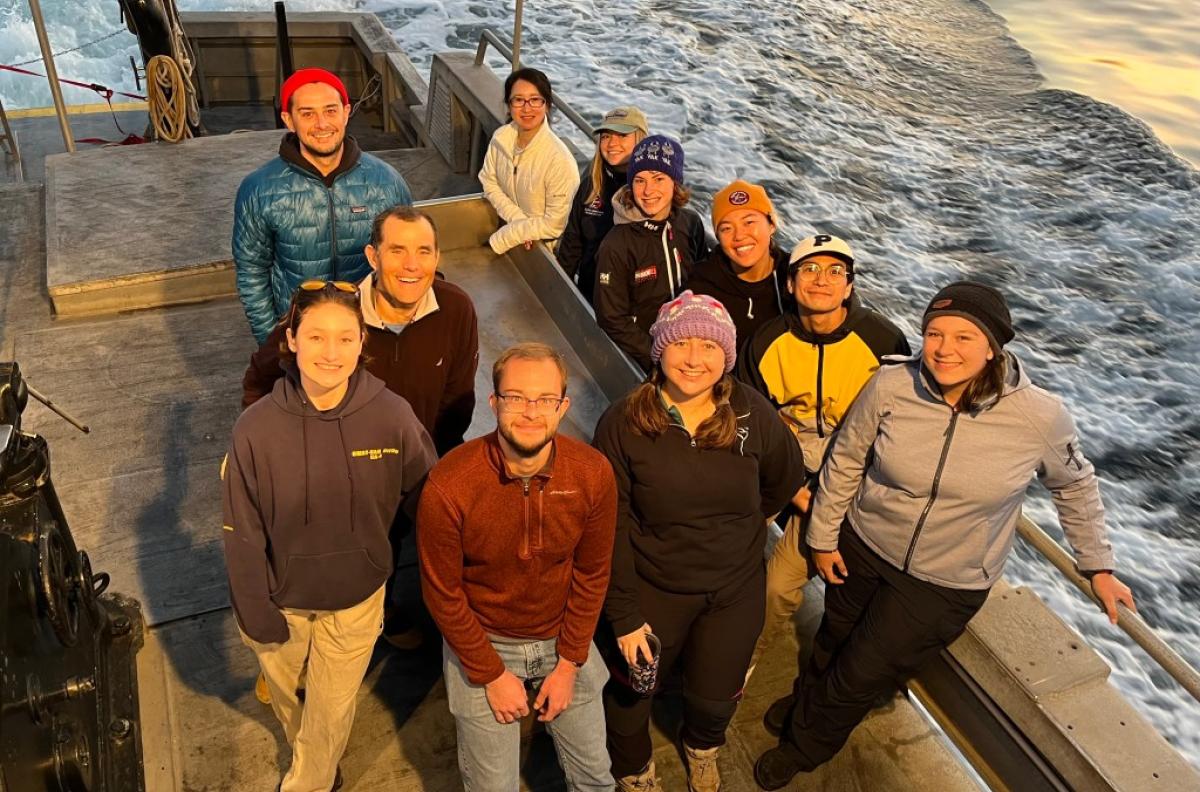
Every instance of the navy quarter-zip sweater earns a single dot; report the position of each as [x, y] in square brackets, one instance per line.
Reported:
[309, 498]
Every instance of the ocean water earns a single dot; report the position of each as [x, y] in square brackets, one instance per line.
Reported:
[941, 145]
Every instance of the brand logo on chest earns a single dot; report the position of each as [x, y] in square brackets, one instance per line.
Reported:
[645, 275]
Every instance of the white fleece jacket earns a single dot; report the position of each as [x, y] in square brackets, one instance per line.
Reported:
[532, 190]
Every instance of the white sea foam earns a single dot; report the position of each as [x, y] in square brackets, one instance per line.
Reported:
[918, 130]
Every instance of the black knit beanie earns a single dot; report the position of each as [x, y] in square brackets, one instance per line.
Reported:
[977, 303]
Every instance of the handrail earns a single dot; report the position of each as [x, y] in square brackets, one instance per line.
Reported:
[1133, 625]
[488, 36]
[7, 142]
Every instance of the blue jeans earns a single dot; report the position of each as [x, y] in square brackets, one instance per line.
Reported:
[489, 752]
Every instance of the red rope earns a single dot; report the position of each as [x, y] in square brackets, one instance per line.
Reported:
[103, 90]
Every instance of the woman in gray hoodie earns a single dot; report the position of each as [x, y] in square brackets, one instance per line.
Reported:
[917, 511]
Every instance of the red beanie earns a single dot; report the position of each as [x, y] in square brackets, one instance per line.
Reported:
[306, 77]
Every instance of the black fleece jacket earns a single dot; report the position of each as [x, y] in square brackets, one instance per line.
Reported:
[586, 227]
[642, 264]
[689, 519]
[750, 304]
[309, 498]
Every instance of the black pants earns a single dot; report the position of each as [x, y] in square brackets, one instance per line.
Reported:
[713, 637]
[879, 627]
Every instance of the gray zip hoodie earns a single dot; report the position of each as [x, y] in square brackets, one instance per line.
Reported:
[937, 493]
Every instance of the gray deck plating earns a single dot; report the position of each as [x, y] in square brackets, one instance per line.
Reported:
[205, 730]
[176, 201]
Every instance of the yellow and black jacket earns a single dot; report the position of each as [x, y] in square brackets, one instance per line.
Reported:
[813, 379]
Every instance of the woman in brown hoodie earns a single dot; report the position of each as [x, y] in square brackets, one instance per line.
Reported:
[312, 483]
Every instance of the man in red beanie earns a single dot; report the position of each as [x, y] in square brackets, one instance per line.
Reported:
[307, 214]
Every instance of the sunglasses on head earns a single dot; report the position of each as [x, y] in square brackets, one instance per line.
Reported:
[316, 284]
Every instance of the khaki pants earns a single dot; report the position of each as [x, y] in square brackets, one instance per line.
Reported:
[788, 571]
[329, 651]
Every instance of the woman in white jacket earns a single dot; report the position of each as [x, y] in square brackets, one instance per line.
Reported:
[528, 175]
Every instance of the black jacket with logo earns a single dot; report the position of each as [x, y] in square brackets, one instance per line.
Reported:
[642, 264]
[586, 228]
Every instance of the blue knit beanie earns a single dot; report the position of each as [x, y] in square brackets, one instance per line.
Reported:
[657, 153]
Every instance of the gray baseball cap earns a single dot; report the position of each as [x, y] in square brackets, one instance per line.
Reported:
[623, 120]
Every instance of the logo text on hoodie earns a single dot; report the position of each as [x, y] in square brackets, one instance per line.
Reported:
[373, 453]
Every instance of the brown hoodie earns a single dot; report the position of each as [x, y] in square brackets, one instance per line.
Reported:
[309, 498]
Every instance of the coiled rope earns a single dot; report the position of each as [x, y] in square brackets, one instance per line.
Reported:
[168, 97]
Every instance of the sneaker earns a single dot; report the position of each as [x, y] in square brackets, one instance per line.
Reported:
[777, 715]
[645, 781]
[777, 767]
[261, 691]
[702, 772]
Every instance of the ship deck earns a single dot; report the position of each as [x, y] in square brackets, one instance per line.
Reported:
[160, 390]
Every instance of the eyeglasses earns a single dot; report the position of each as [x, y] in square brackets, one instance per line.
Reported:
[513, 403]
[810, 271]
[534, 101]
[316, 284]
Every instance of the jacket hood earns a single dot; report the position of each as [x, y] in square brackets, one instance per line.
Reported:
[289, 395]
[289, 151]
[1015, 377]
[718, 270]
[622, 214]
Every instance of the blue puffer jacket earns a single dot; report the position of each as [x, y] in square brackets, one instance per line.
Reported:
[291, 224]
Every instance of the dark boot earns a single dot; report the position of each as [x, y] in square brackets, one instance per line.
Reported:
[777, 767]
[777, 715]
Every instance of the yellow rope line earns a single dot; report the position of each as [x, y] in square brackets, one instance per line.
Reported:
[168, 99]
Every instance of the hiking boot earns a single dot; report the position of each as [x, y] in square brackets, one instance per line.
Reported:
[702, 772]
[645, 781]
[261, 691]
[776, 716]
[777, 767]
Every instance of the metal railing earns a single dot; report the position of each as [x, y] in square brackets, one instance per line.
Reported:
[1133, 625]
[8, 143]
[488, 36]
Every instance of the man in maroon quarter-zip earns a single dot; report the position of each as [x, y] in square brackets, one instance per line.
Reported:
[515, 535]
